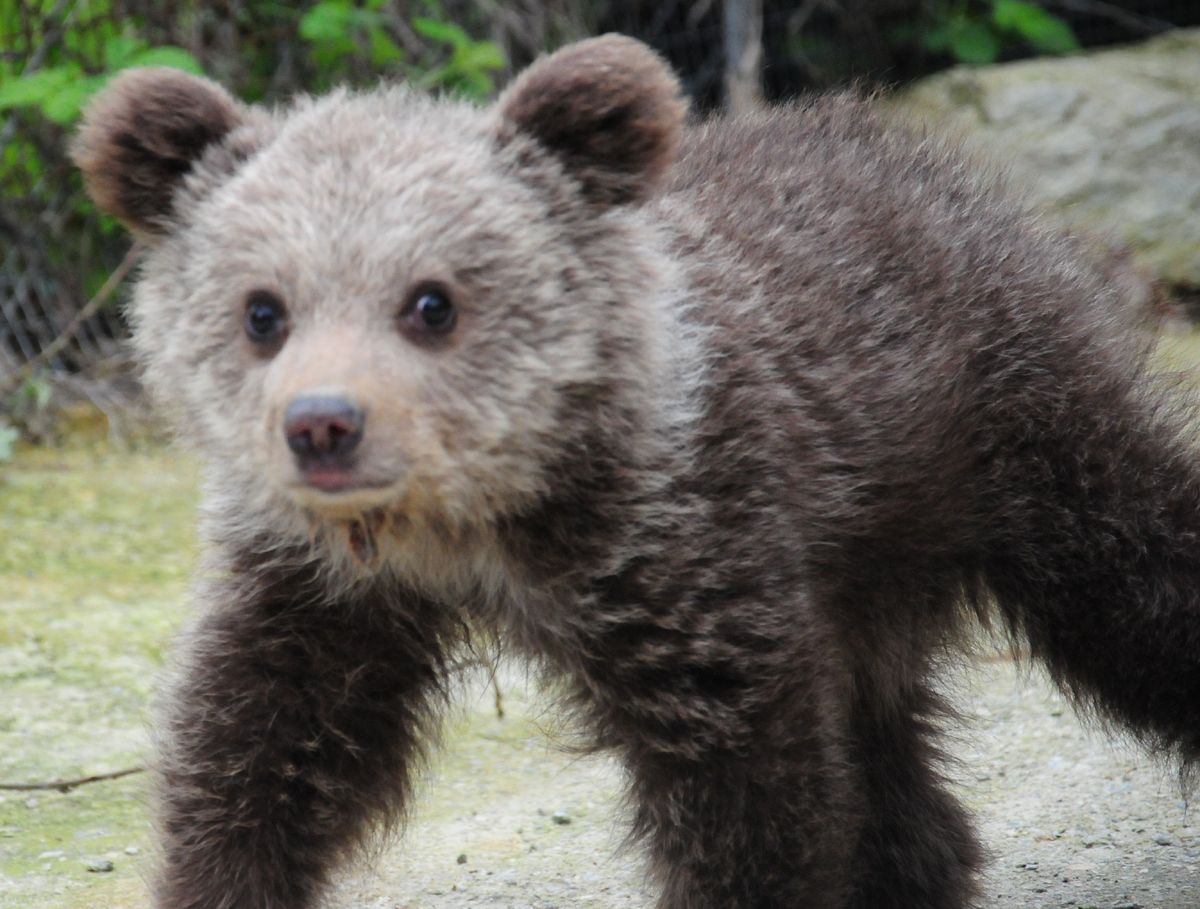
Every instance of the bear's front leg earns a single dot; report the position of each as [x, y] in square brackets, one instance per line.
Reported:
[293, 726]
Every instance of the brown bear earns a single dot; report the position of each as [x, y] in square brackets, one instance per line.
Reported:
[732, 429]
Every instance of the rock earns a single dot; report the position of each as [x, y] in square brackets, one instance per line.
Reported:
[561, 818]
[98, 866]
[1111, 140]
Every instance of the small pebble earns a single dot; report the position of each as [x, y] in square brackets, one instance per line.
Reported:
[561, 818]
[132, 850]
[462, 858]
[1163, 840]
[98, 866]
[53, 853]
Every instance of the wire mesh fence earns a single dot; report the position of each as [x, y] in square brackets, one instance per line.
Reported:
[59, 305]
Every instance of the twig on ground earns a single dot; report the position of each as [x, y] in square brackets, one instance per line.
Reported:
[68, 785]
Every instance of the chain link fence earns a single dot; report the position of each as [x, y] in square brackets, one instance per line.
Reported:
[61, 263]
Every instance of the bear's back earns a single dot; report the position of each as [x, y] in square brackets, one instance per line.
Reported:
[883, 312]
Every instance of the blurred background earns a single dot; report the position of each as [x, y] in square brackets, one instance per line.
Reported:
[62, 265]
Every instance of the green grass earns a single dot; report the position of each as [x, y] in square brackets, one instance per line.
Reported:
[96, 548]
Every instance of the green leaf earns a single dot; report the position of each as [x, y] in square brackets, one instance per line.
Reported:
[476, 85]
[36, 87]
[446, 32]
[109, 226]
[167, 55]
[479, 55]
[383, 49]
[974, 43]
[330, 20]
[1045, 31]
[118, 49]
[65, 105]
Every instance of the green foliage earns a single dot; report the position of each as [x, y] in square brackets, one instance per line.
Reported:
[1043, 31]
[340, 31]
[976, 32]
[58, 56]
[467, 71]
[80, 68]
[345, 40]
[342, 35]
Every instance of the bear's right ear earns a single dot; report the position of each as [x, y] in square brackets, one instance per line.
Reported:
[142, 134]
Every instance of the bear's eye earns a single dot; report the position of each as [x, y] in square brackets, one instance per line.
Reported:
[266, 318]
[429, 310]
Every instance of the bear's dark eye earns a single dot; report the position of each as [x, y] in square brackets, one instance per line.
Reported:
[266, 318]
[430, 311]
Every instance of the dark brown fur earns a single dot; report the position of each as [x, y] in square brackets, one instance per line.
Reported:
[910, 401]
[135, 155]
[613, 116]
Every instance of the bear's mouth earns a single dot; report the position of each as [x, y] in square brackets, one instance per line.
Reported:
[341, 490]
[332, 479]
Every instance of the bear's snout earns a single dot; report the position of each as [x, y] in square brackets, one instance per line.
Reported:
[323, 430]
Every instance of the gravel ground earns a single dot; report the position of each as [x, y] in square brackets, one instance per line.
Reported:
[1073, 818]
[506, 819]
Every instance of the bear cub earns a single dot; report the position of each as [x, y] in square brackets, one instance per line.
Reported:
[733, 429]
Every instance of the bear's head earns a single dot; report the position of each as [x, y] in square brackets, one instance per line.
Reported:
[382, 302]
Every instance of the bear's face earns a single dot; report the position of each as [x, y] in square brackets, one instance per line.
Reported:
[380, 302]
[356, 213]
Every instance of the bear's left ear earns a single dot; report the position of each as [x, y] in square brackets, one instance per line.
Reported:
[608, 108]
[141, 136]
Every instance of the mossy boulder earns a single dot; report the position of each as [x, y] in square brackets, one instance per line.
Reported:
[1111, 140]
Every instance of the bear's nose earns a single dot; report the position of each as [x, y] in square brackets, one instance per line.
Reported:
[322, 428]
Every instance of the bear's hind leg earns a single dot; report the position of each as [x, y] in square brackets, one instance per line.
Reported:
[918, 849]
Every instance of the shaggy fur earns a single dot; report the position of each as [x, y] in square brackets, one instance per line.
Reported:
[733, 448]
